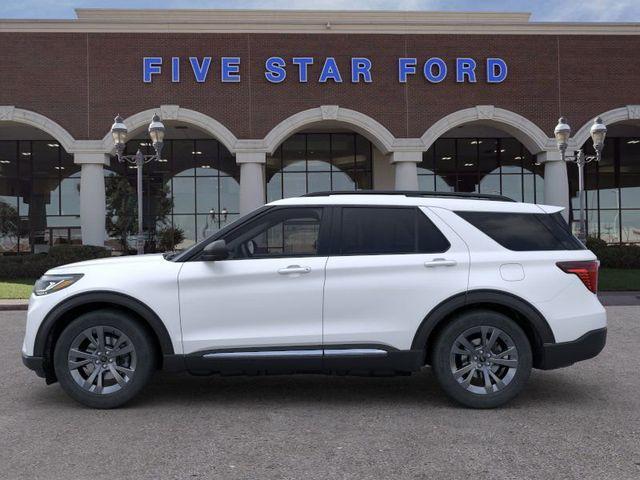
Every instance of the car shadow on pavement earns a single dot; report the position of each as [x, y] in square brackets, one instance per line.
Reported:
[421, 389]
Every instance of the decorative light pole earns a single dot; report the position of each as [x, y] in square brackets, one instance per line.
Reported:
[156, 132]
[562, 133]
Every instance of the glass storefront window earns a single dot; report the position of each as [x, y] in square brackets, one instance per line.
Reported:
[195, 187]
[612, 191]
[312, 162]
[499, 166]
[39, 196]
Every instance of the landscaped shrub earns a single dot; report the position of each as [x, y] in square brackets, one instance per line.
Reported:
[615, 256]
[34, 265]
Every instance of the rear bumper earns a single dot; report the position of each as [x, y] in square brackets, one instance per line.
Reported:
[558, 355]
[34, 363]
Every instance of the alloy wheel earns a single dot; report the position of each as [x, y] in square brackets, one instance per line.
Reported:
[484, 360]
[102, 360]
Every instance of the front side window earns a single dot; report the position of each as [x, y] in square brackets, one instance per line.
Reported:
[389, 230]
[287, 232]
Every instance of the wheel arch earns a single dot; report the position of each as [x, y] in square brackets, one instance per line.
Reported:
[522, 312]
[66, 311]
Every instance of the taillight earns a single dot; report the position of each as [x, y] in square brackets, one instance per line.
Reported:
[586, 271]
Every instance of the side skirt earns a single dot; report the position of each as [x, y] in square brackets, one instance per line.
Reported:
[366, 360]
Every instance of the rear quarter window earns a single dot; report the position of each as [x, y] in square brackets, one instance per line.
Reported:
[523, 232]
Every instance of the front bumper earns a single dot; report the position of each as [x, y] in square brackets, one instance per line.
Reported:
[36, 364]
[558, 355]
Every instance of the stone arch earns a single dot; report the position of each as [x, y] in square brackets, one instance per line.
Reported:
[177, 113]
[521, 128]
[629, 112]
[373, 130]
[9, 113]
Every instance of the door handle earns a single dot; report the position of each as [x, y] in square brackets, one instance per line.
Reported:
[293, 269]
[440, 262]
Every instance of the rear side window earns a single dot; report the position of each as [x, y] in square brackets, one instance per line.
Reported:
[525, 231]
[386, 230]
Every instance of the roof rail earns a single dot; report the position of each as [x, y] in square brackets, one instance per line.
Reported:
[416, 193]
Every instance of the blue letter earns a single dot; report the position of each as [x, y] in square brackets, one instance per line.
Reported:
[406, 66]
[428, 70]
[200, 71]
[496, 70]
[303, 65]
[330, 71]
[150, 66]
[275, 69]
[465, 66]
[175, 69]
[230, 69]
[360, 66]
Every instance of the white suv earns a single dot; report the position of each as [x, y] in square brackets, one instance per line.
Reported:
[480, 288]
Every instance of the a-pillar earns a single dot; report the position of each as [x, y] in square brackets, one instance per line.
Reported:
[556, 181]
[252, 186]
[92, 196]
[406, 168]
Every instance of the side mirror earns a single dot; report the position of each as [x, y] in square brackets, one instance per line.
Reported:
[215, 251]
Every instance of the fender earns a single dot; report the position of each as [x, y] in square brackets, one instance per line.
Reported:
[106, 297]
[479, 297]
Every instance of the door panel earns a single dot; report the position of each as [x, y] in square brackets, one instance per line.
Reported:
[267, 294]
[248, 303]
[382, 299]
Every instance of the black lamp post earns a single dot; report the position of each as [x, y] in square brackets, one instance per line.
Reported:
[562, 133]
[156, 132]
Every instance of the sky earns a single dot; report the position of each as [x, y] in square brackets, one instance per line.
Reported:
[542, 10]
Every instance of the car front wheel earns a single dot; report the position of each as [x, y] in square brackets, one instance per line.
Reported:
[482, 359]
[104, 358]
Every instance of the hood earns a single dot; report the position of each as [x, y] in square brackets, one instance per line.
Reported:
[124, 260]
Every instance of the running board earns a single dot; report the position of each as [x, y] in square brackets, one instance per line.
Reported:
[345, 360]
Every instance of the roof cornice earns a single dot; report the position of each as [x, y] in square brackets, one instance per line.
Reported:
[311, 21]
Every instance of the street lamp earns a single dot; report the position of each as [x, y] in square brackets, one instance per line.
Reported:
[562, 133]
[119, 133]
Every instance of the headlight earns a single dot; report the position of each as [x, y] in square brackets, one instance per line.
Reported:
[53, 283]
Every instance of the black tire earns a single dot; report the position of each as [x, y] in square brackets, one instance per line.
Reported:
[445, 360]
[141, 360]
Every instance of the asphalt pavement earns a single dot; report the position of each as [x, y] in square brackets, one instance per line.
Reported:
[579, 422]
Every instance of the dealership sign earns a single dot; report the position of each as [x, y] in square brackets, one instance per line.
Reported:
[310, 69]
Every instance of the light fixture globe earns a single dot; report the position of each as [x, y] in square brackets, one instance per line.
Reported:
[156, 132]
[598, 133]
[156, 129]
[119, 133]
[562, 133]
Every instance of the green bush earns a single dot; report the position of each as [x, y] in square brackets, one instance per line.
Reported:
[34, 265]
[615, 256]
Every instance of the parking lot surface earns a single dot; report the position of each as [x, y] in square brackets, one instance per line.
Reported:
[579, 422]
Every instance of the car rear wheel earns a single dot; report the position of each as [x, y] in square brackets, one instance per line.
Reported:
[482, 359]
[104, 358]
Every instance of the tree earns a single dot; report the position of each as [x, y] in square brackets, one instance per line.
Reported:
[9, 221]
[169, 237]
[122, 209]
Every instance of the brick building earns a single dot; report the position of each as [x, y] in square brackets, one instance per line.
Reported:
[261, 105]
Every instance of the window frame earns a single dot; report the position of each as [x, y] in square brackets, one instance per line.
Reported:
[336, 239]
[324, 235]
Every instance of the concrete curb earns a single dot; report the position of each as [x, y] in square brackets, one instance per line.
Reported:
[618, 299]
[12, 305]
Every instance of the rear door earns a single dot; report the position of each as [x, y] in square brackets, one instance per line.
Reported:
[388, 268]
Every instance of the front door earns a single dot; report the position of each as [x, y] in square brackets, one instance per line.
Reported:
[266, 298]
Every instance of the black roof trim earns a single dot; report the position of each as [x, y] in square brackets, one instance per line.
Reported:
[416, 193]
